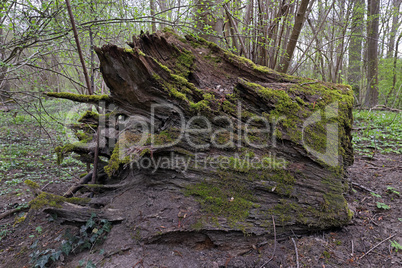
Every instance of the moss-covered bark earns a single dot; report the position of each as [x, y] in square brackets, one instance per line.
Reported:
[288, 171]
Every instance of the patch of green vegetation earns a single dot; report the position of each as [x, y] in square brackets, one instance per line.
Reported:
[4, 230]
[28, 152]
[377, 132]
[94, 231]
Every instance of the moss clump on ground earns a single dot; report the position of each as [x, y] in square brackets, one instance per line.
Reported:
[31, 184]
[20, 219]
[47, 199]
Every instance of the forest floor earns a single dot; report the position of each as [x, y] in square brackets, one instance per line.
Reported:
[372, 239]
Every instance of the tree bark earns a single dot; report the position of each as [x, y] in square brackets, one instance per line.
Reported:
[212, 135]
[208, 16]
[77, 41]
[372, 53]
[394, 27]
[356, 47]
[188, 78]
[300, 17]
[152, 8]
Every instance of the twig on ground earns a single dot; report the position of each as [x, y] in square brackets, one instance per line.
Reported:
[297, 253]
[386, 239]
[12, 211]
[273, 253]
[46, 185]
[363, 187]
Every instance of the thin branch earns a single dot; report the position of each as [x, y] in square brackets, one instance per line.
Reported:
[297, 254]
[386, 239]
[273, 253]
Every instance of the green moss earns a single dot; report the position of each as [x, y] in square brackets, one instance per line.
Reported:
[286, 211]
[221, 201]
[51, 200]
[79, 97]
[326, 255]
[116, 159]
[198, 225]
[31, 184]
[20, 219]
[89, 115]
[62, 151]
[184, 62]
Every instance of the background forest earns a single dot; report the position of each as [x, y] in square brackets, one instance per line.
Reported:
[340, 41]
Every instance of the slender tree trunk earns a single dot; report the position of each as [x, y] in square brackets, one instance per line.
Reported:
[77, 41]
[300, 17]
[248, 17]
[152, 7]
[394, 70]
[356, 47]
[372, 53]
[394, 28]
[209, 15]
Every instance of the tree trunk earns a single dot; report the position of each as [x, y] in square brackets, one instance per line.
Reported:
[209, 20]
[356, 47]
[394, 27]
[152, 10]
[222, 143]
[300, 17]
[372, 53]
[79, 50]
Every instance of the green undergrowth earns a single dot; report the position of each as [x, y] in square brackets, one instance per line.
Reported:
[28, 136]
[377, 132]
[91, 233]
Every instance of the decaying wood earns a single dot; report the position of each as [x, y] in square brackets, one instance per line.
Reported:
[12, 211]
[73, 189]
[190, 78]
[79, 214]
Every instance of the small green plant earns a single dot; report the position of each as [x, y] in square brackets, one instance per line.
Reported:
[382, 205]
[375, 195]
[88, 264]
[92, 232]
[4, 231]
[39, 229]
[392, 190]
[396, 245]
[379, 130]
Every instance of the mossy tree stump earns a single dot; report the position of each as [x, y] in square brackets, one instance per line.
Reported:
[239, 142]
